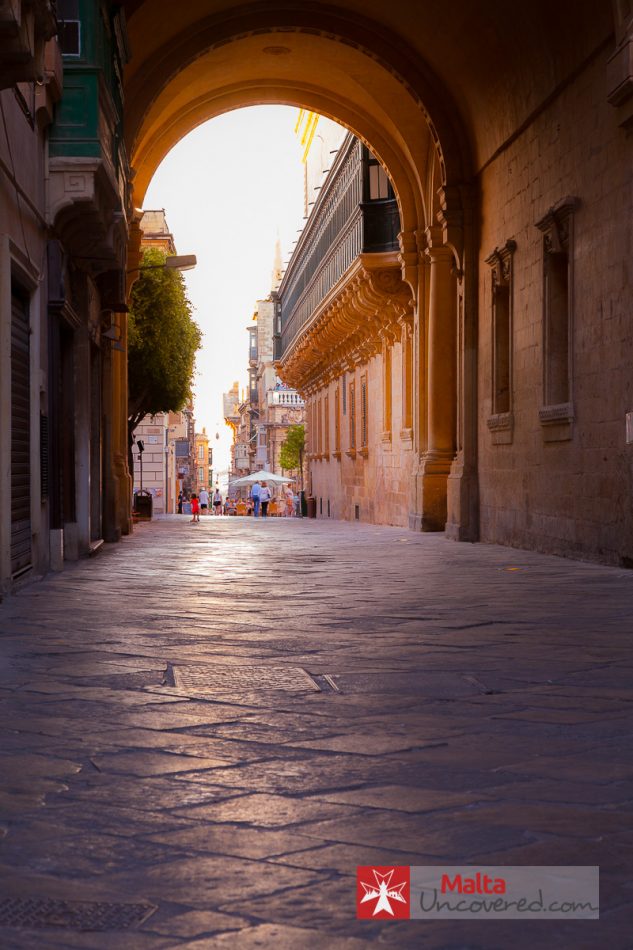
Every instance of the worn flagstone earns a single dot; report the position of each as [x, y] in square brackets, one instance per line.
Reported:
[475, 706]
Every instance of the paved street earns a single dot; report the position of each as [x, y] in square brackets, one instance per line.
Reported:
[221, 721]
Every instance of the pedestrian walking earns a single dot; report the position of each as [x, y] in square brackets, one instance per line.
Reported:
[204, 500]
[256, 491]
[264, 497]
[289, 503]
[195, 510]
[181, 498]
[217, 501]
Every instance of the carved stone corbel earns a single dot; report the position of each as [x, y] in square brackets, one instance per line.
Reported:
[409, 259]
[450, 217]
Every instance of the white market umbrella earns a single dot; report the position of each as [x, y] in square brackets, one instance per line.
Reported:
[261, 477]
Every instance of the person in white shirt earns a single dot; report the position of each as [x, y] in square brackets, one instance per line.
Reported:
[204, 500]
[264, 497]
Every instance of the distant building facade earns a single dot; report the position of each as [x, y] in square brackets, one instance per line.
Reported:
[261, 416]
[182, 435]
[203, 462]
[231, 402]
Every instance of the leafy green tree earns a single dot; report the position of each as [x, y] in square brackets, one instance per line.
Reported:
[292, 451]
[163, 339]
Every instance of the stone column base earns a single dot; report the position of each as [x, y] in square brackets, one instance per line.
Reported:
[111, 527]
[71, 541]
[56, 548]
[431, 483]
[462, 523]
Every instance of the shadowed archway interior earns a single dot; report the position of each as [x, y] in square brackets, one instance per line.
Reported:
[440, 94]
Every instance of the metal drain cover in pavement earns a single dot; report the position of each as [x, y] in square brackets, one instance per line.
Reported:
[204, 678]
[37, 913]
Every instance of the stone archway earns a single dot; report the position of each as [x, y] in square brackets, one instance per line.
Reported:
[356, 72]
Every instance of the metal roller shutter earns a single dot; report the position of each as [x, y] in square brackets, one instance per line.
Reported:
[20, 437]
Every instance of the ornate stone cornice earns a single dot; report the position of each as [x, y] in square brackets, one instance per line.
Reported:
[501, 262]
[365, 307]
[556, 224]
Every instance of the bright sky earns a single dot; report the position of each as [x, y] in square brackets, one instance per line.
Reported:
[229, 189]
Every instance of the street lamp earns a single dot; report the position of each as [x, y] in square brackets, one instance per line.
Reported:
[171, 262]
[181, 262]
[141, 448]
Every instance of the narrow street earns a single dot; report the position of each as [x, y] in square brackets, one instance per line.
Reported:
[207, 728]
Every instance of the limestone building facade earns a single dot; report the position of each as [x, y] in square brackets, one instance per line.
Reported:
[64, 221]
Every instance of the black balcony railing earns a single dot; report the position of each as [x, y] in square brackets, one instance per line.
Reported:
[381, 225]
[343, 225]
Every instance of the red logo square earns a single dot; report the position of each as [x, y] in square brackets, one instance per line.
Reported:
[382, 892]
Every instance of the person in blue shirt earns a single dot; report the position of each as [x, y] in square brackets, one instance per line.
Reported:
[256, 491]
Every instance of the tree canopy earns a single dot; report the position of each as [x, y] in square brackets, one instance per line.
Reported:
[163, 339]
[292, 449]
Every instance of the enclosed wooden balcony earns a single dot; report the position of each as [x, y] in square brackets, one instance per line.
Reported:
[356, 214]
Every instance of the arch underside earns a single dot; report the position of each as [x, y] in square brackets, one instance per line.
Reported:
[184, 83]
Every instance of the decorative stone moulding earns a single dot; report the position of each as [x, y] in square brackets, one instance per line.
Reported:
[84, 208]
[552, 415]
[451, 220]
[348, 329]
[557, 422]
[501, 421]
[501, 426]
[501, 262]
[557, 226]
[409, 258]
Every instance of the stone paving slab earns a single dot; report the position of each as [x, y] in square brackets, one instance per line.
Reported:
[475, 705]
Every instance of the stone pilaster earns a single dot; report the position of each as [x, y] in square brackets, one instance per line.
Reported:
[440, 403]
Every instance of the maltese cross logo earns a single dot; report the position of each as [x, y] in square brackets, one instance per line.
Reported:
[382, 892]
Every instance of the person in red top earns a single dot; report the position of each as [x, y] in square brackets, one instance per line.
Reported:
[195, 510]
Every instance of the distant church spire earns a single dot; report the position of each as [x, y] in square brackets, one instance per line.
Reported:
[277, 267]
